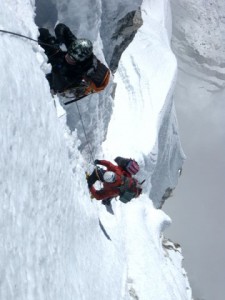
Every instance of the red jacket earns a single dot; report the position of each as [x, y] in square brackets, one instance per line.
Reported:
[110, 190]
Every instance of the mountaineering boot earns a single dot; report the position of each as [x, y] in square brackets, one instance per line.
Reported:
[108, 206]
[88, 178]
[107, 201]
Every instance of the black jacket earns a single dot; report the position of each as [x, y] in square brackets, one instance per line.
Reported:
[63, 76]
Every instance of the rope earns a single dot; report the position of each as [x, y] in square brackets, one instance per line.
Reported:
[91, 154]
[26, 37]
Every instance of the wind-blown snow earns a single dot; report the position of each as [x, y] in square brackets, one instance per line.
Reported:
[55, 242]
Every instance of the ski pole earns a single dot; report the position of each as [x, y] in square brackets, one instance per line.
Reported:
[74, 100]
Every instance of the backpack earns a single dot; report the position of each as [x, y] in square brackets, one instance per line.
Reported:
[128, 164]
[97, 77]
[129, 189]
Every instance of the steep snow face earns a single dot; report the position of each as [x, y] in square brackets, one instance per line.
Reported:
[197, 47]
[52, 246]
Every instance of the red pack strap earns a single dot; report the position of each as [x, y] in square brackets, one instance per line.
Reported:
[132, 167]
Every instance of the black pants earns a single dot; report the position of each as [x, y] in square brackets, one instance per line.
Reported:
[97, 174]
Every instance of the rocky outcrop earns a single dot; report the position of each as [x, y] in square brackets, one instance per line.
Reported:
[119, 24]
[124, 33]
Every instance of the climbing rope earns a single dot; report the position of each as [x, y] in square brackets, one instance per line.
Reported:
[26, 37]
[85, 134]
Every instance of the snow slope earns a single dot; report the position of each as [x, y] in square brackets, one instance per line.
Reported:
[55, 242]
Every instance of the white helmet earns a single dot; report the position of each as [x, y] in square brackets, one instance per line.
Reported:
[109, 176]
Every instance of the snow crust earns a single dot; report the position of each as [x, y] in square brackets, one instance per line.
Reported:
[55, 242]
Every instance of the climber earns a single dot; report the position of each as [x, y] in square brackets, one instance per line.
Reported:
[117, 181]
[76, 69]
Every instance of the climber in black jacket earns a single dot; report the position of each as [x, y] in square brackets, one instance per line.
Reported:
[71, 68]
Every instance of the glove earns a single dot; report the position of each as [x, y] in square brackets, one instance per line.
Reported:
[60, 32]
[44, 34]
[96, 162]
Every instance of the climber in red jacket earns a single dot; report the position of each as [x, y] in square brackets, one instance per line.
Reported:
[113, 179]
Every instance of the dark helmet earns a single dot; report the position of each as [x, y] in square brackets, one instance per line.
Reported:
[80, 49]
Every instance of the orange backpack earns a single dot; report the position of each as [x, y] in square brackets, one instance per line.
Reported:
[97, 78]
